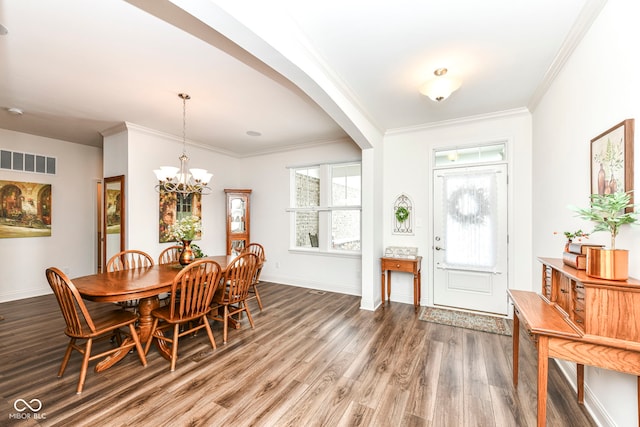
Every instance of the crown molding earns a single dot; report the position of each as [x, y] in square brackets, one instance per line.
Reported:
[459, 121]
[588, 15]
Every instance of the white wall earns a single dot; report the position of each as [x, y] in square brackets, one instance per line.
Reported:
[72, 245]
[597, 88]
[268, 177]
[408, 169]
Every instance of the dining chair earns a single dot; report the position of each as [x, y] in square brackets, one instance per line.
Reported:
[231, 296]
[82, 326]
[127, 260]
[258, 250]
[192, 291]
[131, 258]
[170, 255]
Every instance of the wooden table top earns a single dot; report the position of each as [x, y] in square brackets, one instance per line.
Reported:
[540, 317]
[134, 283]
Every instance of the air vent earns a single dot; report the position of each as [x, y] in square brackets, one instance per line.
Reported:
[27, 162]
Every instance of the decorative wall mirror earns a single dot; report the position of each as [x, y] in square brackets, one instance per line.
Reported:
[113, 220]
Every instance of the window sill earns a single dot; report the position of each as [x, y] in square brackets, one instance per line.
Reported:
[317, 252]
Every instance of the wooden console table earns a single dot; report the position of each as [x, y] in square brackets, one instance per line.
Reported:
[582, 319]
[390, 264]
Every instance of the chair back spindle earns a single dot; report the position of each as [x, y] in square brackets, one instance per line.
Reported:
[129, 259]
[170, 255]
[239, 276]
[193, 289]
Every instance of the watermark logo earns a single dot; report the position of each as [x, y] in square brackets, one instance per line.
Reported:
[27, 410]
[21, 405]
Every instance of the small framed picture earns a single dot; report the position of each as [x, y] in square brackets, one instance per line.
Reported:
[612, 160]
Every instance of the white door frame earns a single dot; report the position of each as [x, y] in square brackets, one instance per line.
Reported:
[428, 264]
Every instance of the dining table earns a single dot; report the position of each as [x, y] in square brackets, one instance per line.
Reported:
[144, 284]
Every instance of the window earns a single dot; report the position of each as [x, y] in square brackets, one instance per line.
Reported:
[184, 206]
[490, 153]
[326, 207]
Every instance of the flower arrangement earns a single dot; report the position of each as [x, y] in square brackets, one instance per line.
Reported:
[186, 228]
[570, 235]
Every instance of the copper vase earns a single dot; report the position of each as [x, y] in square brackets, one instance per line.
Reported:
[608, 264]
[186, 256]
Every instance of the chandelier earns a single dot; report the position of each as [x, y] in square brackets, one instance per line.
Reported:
[180, 180]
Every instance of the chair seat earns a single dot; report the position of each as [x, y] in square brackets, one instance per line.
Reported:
[106, 322]
[164, 313]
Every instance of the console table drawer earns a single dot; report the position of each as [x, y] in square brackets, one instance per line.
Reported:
[407, 265]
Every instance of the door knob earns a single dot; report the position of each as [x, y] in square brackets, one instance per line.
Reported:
[438, 248]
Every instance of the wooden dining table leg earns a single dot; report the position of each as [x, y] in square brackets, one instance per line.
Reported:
[145, 322]
[145, 319]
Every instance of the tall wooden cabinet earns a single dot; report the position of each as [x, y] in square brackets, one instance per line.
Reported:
[238, 220]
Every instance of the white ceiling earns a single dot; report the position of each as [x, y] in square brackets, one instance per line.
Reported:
[77, 68]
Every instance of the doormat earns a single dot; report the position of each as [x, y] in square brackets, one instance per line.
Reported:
[460, 319]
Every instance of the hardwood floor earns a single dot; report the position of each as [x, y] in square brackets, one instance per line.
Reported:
[312, 359]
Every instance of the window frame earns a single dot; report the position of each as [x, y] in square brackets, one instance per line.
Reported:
[324, 210]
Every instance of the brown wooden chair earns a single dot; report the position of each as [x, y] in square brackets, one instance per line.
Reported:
[195, 285]
[231, 296]
[170, 255]
[126, 260]
[258, 250]
[81, 326]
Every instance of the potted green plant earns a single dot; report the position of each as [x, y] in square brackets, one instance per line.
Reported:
[609, 212]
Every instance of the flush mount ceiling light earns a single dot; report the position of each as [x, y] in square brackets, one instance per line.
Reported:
[178, 180]
[441, 86]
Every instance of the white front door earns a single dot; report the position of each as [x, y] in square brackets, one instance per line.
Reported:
[470, 238]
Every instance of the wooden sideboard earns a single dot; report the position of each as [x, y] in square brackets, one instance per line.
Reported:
[581, 319]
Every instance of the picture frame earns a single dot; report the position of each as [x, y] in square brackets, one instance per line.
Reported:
[612, 160]
[25, 209]
[172, 208]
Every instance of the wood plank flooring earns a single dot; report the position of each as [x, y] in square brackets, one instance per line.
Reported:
[312, 360]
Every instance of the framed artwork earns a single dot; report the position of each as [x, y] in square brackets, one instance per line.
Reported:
[113, 219]
[612, 160]
[173, 207]
[25, 209]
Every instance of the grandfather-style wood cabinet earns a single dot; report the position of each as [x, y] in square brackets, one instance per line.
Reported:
[238, 220]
